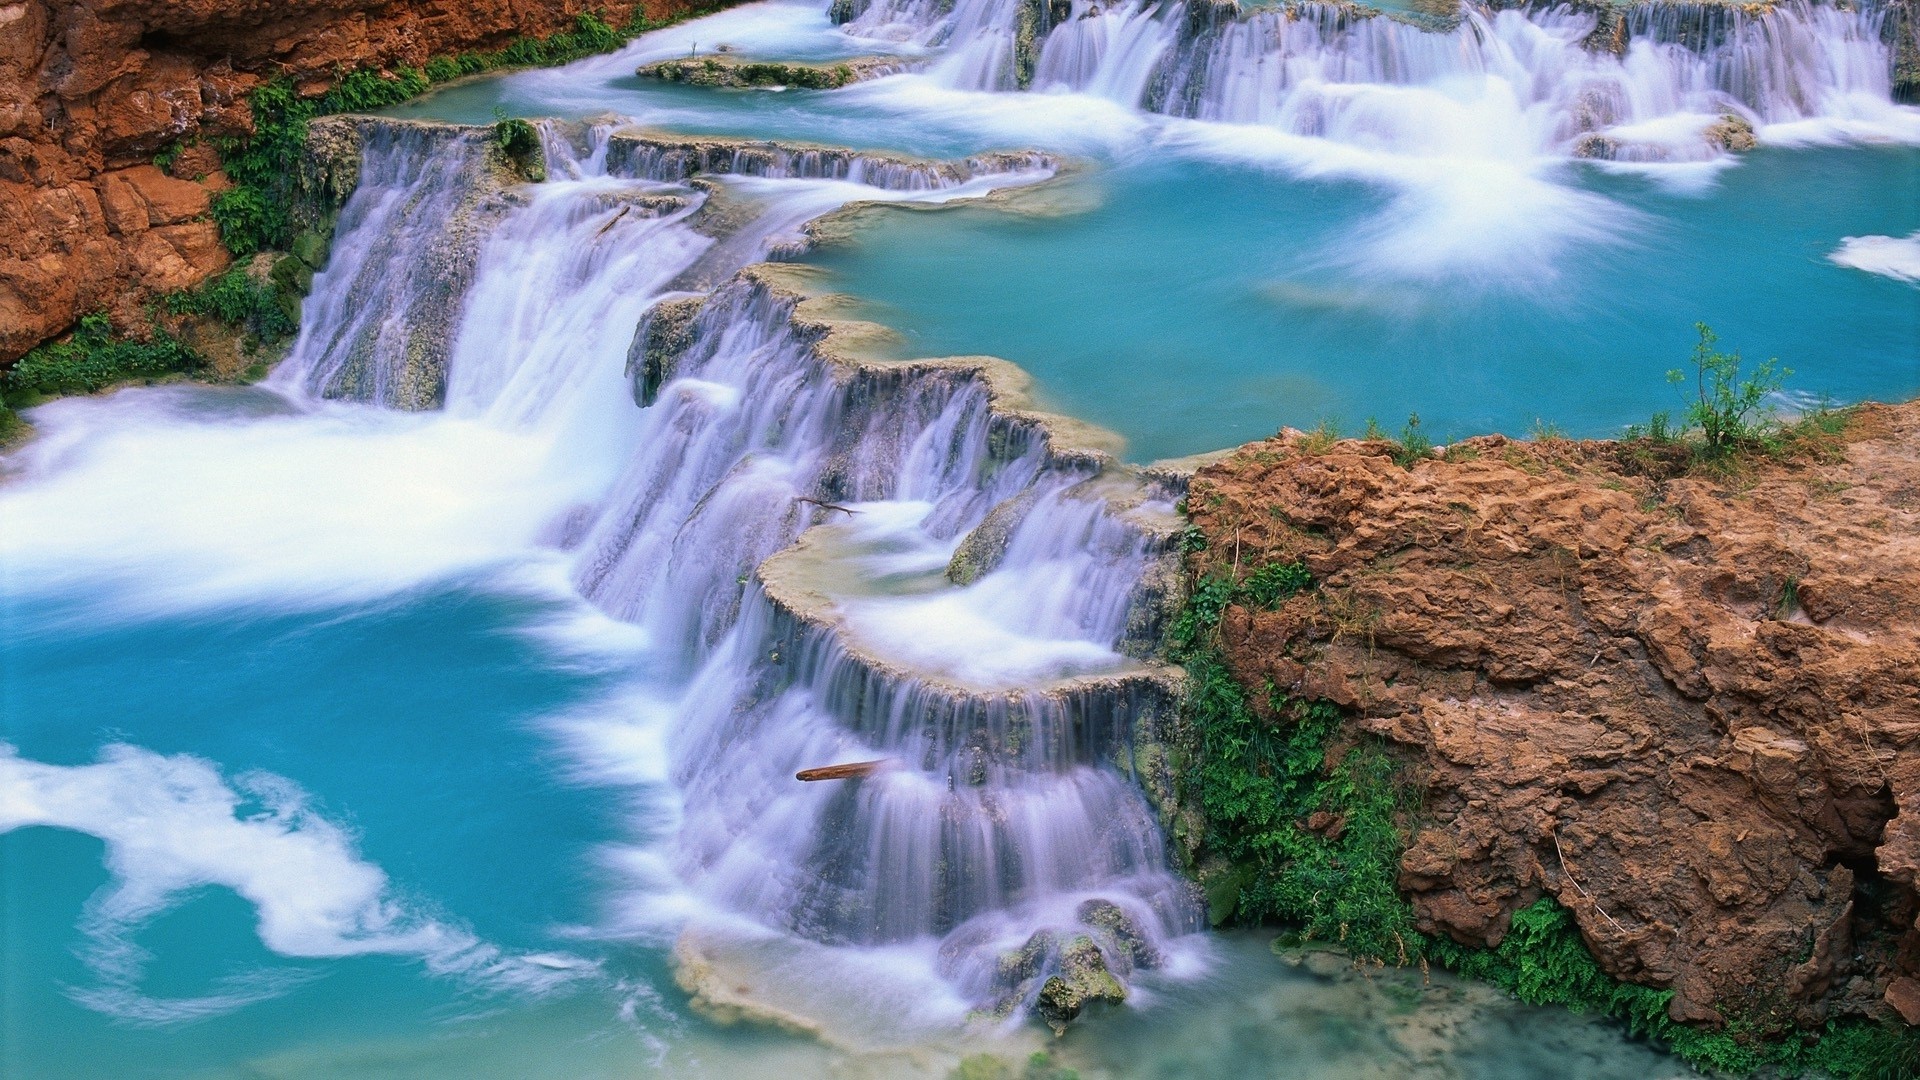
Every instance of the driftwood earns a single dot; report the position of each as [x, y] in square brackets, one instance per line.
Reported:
[827, 505]
[611, 224]
[853, 770]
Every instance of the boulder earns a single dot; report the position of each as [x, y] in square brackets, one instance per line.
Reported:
[1082, 980]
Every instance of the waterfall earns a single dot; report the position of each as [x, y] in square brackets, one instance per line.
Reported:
[1520, 84]
[376, 324]
[1641, 83]
[1111, 53]
[1010, 821]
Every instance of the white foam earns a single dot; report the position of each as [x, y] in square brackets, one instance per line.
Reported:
[173, 824]
[330, 505]
[1897, 257]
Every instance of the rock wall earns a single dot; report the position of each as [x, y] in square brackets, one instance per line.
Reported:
[1687, 708]
[92, 90]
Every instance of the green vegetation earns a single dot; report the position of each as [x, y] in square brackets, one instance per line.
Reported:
[718, 71]
[239, 300]
[1728, 419]
[1728, 411]
[1410, 445]
[93, 358]
[1310, 822]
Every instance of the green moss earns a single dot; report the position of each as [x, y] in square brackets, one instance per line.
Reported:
[1306, 824]
[93, 358]
[519, 143]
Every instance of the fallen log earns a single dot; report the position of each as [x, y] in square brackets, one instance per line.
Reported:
[850, 771]
[827, 505]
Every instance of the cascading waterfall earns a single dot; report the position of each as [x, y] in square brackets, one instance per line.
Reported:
[1516, 84]
[1010, 823]
[378, 317]
[1524, 84]
[1007, 814]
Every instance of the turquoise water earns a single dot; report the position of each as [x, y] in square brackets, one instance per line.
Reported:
[347, 780]
[421, 726]
[1195, 306]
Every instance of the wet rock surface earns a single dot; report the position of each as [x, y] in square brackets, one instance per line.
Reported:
[1683, 706]
[736, 72]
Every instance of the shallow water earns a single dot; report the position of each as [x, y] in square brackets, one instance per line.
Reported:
[341, 741]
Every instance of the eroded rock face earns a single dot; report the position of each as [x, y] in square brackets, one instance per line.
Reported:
[92, 90]
[1688, 709]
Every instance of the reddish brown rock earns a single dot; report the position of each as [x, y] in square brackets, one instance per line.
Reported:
[92, 90]
[1686, 708]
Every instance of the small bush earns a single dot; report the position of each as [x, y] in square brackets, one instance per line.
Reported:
[1414, 444]
[1322, 437]
[1275, 582]
[1730, 412]
[92, 359]
[237, 299]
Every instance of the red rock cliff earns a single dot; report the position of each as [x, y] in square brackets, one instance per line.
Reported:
[1687, 708]
[91, 90]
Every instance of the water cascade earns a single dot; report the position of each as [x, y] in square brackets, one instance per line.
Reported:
[968, 621]
[1643, 83]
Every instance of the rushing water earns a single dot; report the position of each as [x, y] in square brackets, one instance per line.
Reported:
[433, 708]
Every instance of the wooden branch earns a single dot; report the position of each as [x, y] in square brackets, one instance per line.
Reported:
[851, 771]
[827, 505]
[611, 224]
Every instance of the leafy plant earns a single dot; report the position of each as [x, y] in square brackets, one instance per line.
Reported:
[1322, 437]
[1729, 411]
[1414, 444]
[519, 142]
[1275, 582]
[236, 298]
[92, 359]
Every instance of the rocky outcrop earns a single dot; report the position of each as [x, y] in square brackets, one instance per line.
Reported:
[92, 90]
[734, 72]
[1686, 708]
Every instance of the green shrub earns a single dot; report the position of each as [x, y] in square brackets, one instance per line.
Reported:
[1729, 411]
[237, 299]
[92, 359]
[249, 221]
[1413, 443]
[1274, 582]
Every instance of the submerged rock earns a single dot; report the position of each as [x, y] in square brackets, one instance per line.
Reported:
[663, 335]
[727, 71]
[1130, 943]
[986, 545]
[1596, 147]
